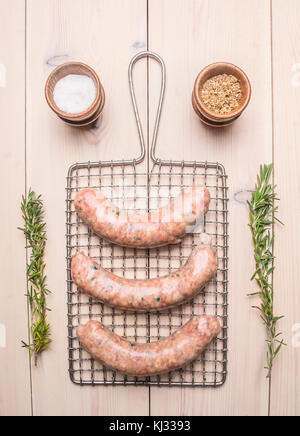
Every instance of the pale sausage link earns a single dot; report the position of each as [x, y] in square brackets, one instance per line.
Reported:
[147, 359]
[167, 225]
[146, 295]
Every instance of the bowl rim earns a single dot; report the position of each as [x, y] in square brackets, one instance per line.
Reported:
[79, 115]
[200, 104]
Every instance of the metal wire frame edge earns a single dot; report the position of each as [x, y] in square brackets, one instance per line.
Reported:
[225, 270]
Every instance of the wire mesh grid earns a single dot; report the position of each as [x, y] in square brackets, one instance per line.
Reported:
[133, 190]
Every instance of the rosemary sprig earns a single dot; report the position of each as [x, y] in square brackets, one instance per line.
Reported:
[35, 233]
[262, 219]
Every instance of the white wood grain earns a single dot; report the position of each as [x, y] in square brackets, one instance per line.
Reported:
[285, 393]
[15, 397]
[189, 35]
[105, 35]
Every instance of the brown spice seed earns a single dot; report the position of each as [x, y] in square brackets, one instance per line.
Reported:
[222, 93]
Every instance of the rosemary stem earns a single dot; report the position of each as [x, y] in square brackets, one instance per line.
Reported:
[35, 233]
[262, 216]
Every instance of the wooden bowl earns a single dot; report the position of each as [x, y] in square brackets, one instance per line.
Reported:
[75, 68]
[88, 121]
[209, 117]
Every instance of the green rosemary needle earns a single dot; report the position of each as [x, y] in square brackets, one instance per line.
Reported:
[35, 233]
[262, 219]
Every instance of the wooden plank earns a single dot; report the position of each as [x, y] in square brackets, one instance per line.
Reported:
[285, 392]
[190, 35]
[105, 35]
[15, 396]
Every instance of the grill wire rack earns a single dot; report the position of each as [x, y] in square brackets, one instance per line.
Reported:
[126, 186]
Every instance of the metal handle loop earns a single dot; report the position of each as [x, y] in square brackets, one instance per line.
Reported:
[161, 98]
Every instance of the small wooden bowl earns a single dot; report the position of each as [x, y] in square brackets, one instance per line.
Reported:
[82, 118]
[88, 121]
[209, 117]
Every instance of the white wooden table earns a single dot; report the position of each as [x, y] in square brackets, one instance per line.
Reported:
[262, 37]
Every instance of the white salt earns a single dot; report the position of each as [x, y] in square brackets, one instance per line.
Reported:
[74, 93]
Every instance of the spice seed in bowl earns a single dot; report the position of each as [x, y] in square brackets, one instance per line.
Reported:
[222, 93]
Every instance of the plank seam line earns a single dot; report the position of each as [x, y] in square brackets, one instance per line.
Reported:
[148, 162]
[273, 178]
[25, 183]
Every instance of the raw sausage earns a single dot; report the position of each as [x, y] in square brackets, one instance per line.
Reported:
[146, 359]
[146, 295]
[164, 226]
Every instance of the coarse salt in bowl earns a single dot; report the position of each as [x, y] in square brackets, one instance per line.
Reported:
[74, 92]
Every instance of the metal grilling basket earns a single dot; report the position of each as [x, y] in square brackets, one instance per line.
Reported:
[122, 182]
